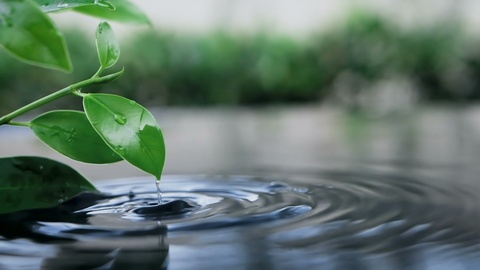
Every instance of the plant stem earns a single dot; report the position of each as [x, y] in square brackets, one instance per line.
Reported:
[60, 93]
[21, 124]
[99, 71]
[72, 89]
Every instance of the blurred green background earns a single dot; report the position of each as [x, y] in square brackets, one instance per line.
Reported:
[241, 85]
[352, 63]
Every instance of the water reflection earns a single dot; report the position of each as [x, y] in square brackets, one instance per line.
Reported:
[147, 252]
[241, 141]
[65, 237]
[359, 221]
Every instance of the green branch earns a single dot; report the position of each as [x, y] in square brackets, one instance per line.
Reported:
[72, 89]
[60, 93]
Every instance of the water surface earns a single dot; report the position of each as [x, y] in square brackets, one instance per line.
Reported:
[369, 219]
[316, 188]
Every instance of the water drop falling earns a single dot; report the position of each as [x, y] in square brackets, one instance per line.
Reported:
[120, 118]
[159, 192]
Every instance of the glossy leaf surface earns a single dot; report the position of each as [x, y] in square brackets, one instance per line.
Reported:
[129, 129]
[34, 182]
[125, 12]
[107, 46]
[29, 34]
[71, 134]
[56, 5]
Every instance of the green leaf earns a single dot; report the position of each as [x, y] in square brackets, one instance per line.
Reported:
[107, 45]
[110, 77]
[29, 34]
[56, 5]
[71, 134]
[125, 12]
[129, 129]
[34, 182]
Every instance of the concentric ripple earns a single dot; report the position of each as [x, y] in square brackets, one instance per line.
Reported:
[367, 220]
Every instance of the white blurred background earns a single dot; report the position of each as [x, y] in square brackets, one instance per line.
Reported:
[296, 18]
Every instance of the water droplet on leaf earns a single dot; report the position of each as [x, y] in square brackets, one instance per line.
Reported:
[17, 162]
[70, 135]
[120, 150]
[105, 4]
[120, 118]
[6, 21]
[62, 5]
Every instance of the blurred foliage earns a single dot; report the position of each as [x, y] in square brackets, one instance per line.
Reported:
[440, 60]
[223, 69]
[434, 58]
